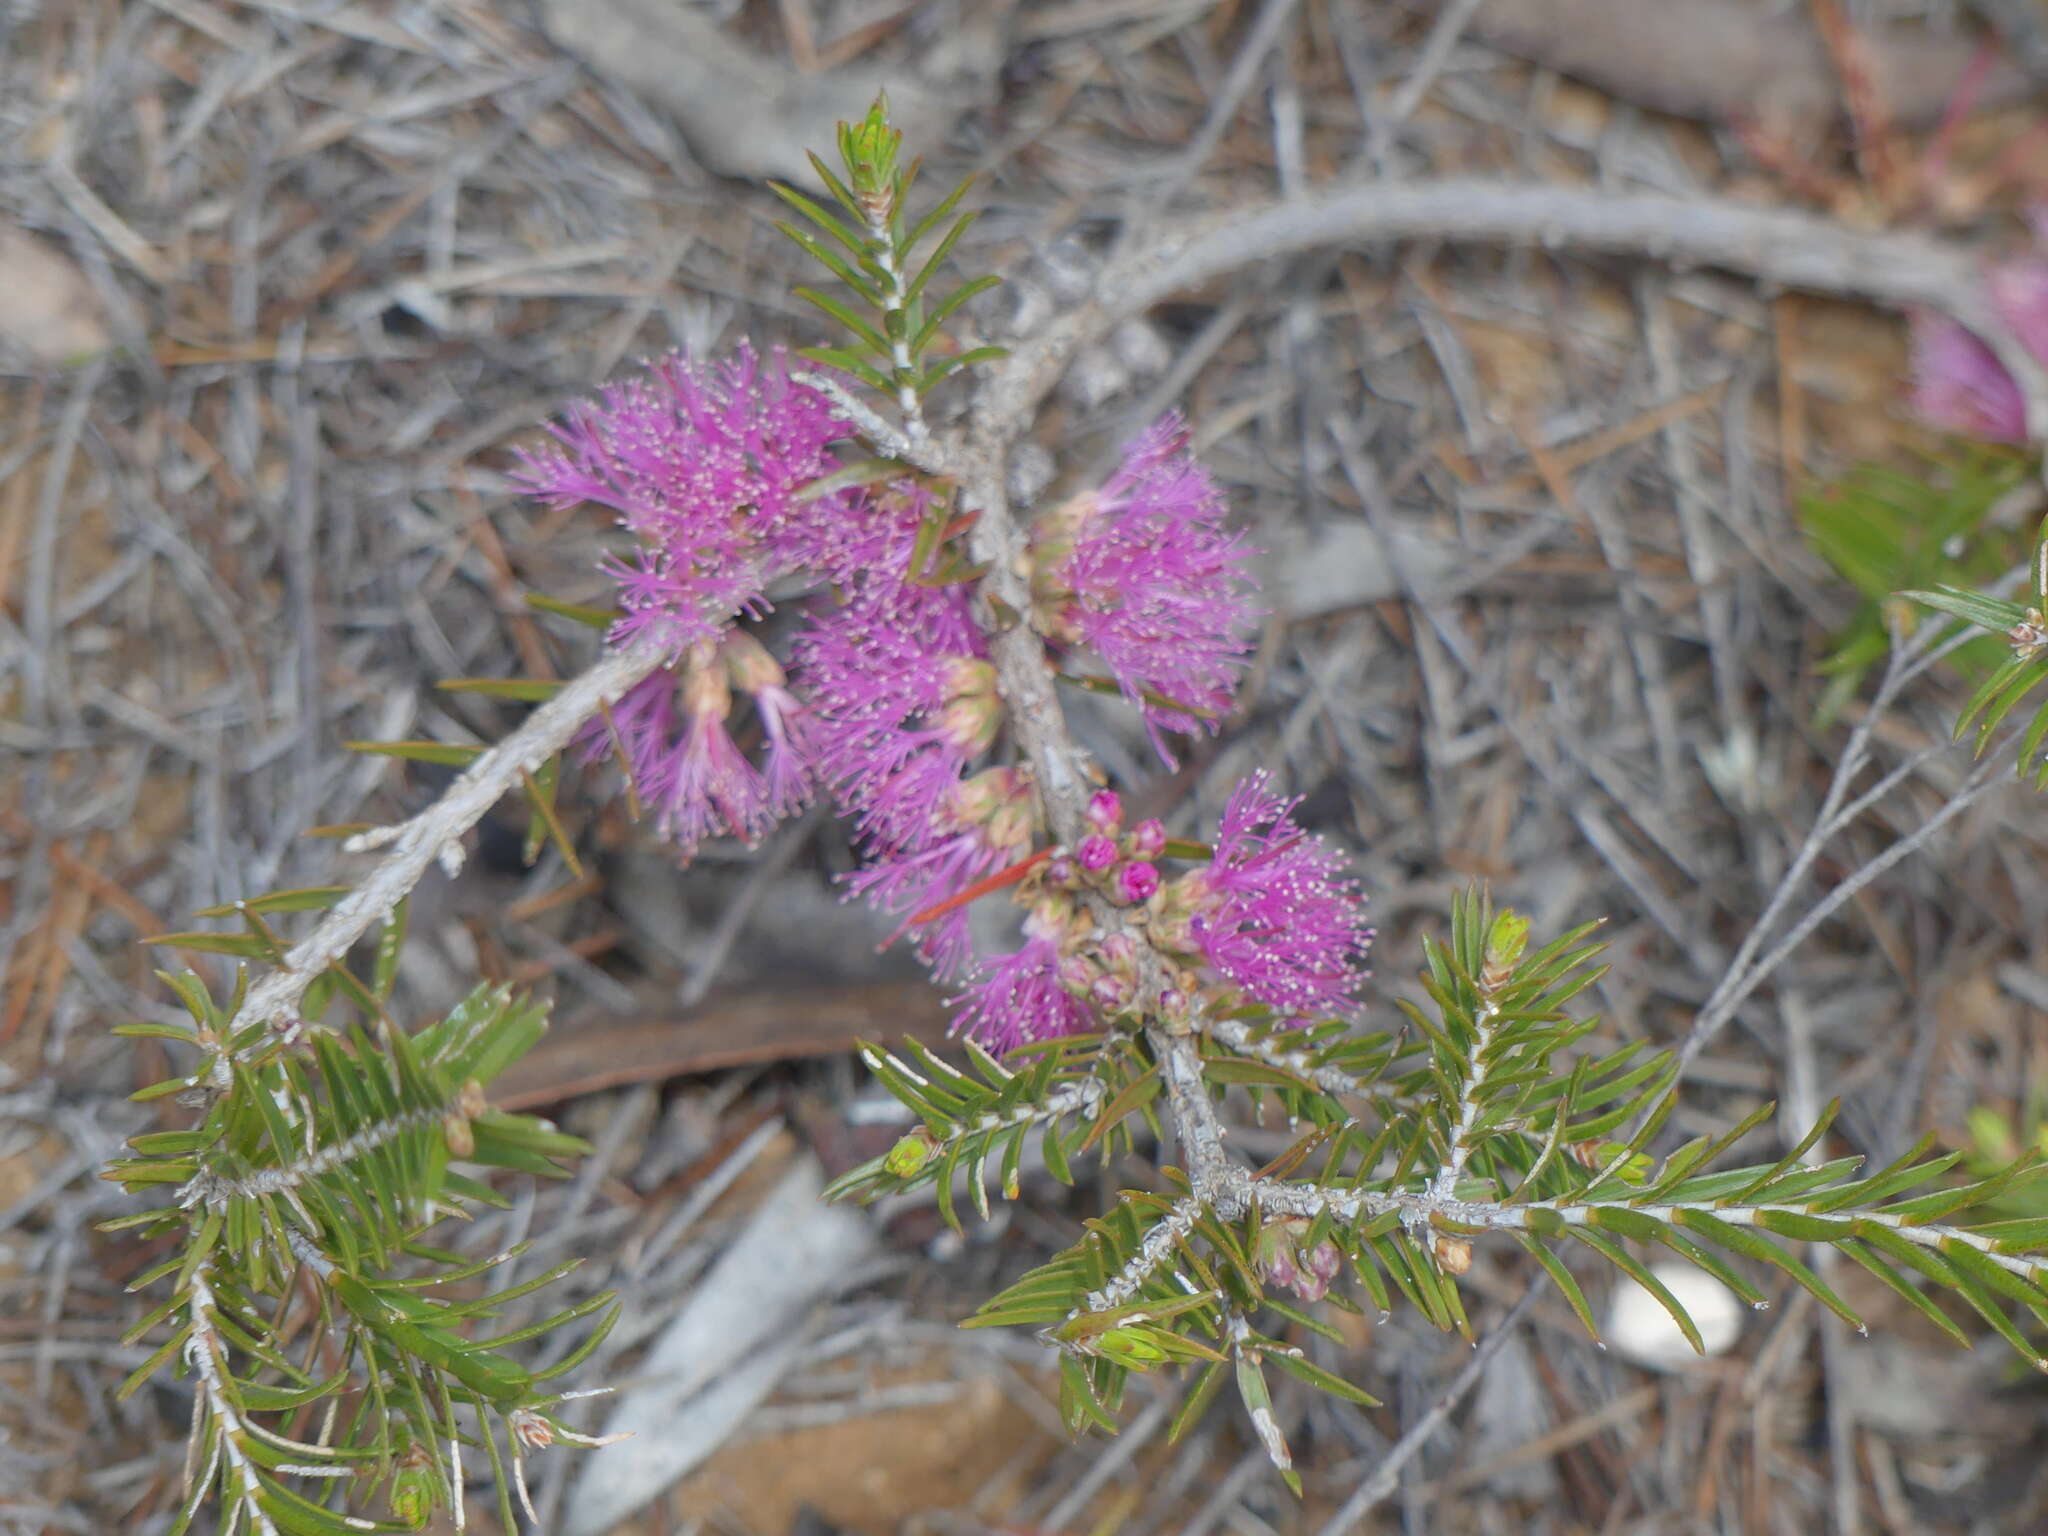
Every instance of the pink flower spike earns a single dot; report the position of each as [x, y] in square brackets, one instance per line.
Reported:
[1020, 999]
[714, 789]
[1276, 916]
[703, 465]
[1959, 385]
[1161, 589]
[786, 725]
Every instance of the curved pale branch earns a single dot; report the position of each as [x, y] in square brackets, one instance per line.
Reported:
[433, 836]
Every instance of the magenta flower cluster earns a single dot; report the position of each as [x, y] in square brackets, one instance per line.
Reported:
[1958, 382]
[889, 703]
[1147, 575]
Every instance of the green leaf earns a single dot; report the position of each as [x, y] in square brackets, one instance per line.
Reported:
[1743, 1241]
[1627, 1263]
[836, 264]
[1905, 1289]
[247, 946]
[849, 361]
[1322, 1380]
[838, 310]
[1971, 607]
[524, 690]
[938, 256]
[448, 754]
[575, 613]
[1207, 1381]
[1562, 1278]
[945, 309]
[819, 216]
[312, 898]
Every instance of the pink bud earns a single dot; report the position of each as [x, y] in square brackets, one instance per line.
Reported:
[1096, 853]
[1119, 949]
[1324, 1260]
[1077, 975]
[1147, 839]
[1062, 872]
[1111, 993]
[1137, 882]
[1105, 810]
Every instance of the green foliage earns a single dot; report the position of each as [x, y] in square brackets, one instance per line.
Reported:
[1883, 530]
[1492, 1117]
[893, 316]
[1073, 1095]
[2024, 632]
[319, 1159]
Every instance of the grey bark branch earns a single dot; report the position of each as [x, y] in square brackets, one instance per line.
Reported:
[415, 845]
[1777, 247]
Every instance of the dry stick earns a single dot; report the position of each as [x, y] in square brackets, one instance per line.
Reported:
[1368, 1494]
[1778, 247]
[1745, 973]
[432, 836]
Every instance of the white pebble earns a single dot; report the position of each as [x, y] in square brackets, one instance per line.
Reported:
[1643, 1332]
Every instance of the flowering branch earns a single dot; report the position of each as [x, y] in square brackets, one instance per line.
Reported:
[1150, 978]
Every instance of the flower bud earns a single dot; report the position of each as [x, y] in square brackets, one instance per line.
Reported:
[1506, 940]
[1112, 994]
[1118, 950]
[973, 709]
[415, 1490]
[1057, 921]
[706, 693]
[1096, 853]
[456, 1131]
[1010, 826]
[908, 1156]
[748, 663]
[1282, 1263]
[1062, 873]
[1105, 811]
[974, 800]
[969, 722]
[1147, 839]
[969, 676]
[1136, 883]
[1131, 1347]
[1325, 1260]
[1078, 975]
[530, 1429]
[1453, 1254]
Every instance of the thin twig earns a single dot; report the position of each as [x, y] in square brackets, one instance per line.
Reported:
[1367, 1496]
[430, 837]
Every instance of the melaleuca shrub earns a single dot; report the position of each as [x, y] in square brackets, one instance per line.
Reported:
[1149, 983]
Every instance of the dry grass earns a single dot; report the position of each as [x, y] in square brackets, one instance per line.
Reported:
[345, 253]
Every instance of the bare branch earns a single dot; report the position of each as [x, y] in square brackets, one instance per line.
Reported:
[427, 837]
[1777, 247]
